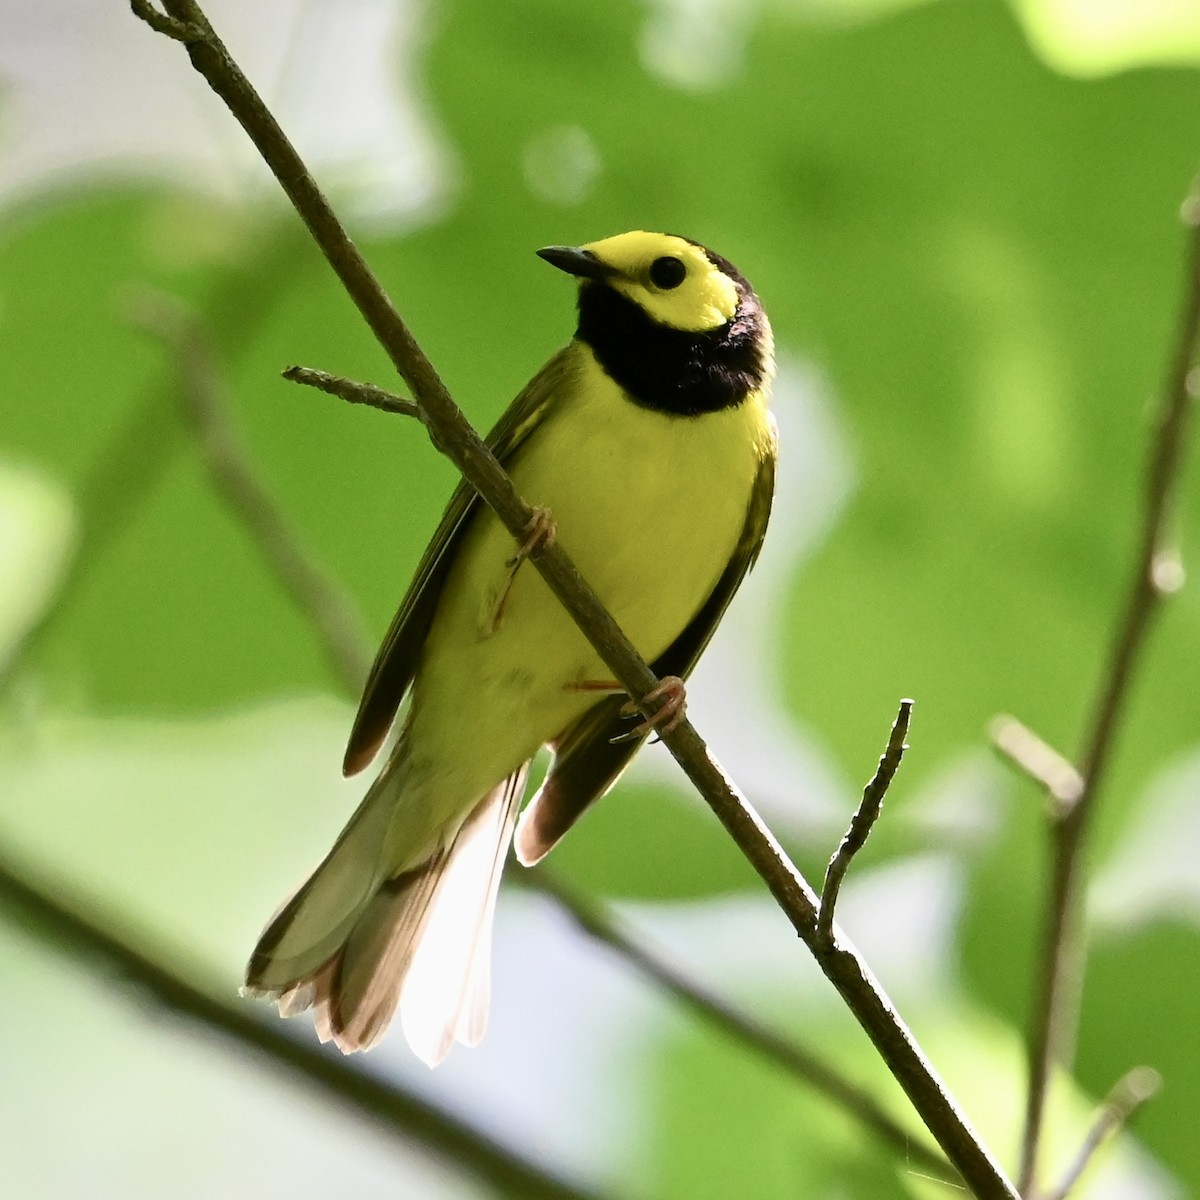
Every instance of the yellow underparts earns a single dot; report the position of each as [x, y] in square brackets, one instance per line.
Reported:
[648, 505]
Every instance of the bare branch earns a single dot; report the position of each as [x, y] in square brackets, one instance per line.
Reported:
[1155, 572]
[319, 597]
[1039, 760]
[840, 963]
[352, 392]
[1129, 1094]
[864, 818]
[392, 1107]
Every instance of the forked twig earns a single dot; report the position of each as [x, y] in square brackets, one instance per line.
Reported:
[864, 818]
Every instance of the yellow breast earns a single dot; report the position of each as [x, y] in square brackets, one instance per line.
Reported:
[650, 507]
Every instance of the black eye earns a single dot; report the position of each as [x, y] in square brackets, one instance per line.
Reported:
[667, 273]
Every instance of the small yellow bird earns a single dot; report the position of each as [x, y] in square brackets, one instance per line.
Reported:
[649, 443]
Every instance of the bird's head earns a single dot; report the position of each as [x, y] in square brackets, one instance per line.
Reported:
[677, 283]
[675, 324]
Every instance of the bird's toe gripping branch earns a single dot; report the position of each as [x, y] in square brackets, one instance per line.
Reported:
[673, 696]
[539, 533]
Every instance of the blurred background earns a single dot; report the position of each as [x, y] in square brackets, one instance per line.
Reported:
[962, 218]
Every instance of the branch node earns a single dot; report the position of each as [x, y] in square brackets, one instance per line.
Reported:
[172, 27]
[864, 818]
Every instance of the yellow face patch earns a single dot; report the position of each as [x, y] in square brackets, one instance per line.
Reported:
[704, 298]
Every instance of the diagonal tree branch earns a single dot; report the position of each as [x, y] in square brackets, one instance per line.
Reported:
[394, 1108]
[1155, 574]
[837, 958]
[253, 505]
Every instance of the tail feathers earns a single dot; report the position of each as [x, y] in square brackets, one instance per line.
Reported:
[421, 938]
[447, 992]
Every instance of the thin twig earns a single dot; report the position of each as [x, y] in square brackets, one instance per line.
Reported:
[1037, 759]
[864, 818]
[840, 963]
[596, 920]
[1129, 1094]
[1155, 573]
[318, 596]
[394, 1108]
[591, 916]
[351, 391]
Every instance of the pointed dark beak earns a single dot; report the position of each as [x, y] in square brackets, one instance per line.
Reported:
[575, 261]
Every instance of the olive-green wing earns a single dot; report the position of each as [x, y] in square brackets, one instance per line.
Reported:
[396, 663]
[586, 762]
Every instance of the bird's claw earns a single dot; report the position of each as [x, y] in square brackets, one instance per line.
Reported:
[666, 717]
[539, 533]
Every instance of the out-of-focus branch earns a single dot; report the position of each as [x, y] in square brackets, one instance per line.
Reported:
[837, 958]
[391, 1106]
[319, 598]
[1038, 759]
[252, 504]
[864, 817]
[597, 921]
[1155, 574]
[1129, 1094]
[145, 443]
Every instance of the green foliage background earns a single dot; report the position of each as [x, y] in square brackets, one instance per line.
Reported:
[980, 253]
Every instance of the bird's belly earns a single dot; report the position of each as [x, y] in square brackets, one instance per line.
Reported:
[649, 507]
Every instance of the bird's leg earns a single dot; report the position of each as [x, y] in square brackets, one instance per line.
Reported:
[666, 717]
[539, 533]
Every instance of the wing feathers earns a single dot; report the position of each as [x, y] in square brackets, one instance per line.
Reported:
[396, 663]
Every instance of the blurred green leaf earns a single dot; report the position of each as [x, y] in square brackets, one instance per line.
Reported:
[1111, 35]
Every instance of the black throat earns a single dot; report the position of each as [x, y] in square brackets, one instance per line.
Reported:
[668, 369]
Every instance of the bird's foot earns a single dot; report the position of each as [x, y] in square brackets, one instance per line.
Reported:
[539, 533]
[673, 696]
